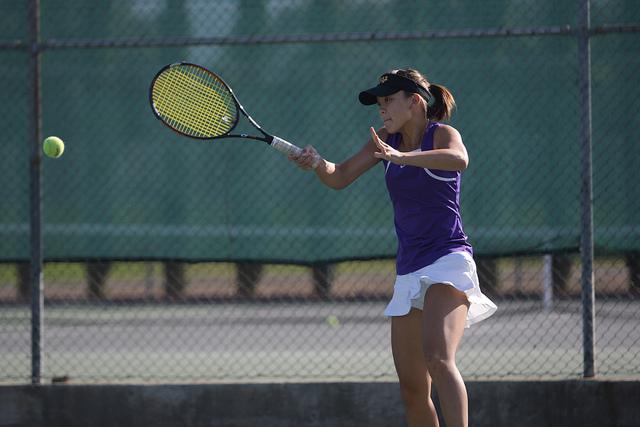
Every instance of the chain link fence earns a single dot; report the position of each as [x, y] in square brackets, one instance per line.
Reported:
[167, 259]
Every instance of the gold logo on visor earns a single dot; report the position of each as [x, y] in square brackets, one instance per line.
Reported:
[384, 79]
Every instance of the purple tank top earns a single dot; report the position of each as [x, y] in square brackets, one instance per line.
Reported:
[426, 206]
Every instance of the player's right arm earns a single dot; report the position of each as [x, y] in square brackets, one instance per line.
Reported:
[340, 175]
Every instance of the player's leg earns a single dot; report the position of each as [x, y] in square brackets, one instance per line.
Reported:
[444, 318]
[415, 383]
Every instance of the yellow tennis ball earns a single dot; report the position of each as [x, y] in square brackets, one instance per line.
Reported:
[332, 321]
[53, 146]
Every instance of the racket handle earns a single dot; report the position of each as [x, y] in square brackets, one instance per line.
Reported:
[288, 148]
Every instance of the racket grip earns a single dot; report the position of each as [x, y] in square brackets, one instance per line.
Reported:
[288, 148]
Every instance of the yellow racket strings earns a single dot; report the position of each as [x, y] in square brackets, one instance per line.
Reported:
[194, 102]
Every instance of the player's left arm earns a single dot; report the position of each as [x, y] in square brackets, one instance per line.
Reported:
[449, 152]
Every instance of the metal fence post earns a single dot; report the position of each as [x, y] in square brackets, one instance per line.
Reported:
[586, 240]
[37, 298]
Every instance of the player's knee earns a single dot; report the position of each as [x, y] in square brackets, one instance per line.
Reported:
[437, 364]
[414, 392]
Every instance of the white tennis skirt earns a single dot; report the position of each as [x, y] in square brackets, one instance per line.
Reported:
[457, 269]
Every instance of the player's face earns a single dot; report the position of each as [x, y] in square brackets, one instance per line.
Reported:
[395, 111]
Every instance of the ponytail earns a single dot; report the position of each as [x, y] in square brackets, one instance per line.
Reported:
[443, 104]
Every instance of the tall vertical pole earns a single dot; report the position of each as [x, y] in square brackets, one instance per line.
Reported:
[37, 298]
[547, 283]
[586, 240]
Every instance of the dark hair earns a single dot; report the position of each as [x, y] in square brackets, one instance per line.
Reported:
[443, 104]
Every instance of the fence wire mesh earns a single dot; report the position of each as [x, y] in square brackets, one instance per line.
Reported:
[168, 259]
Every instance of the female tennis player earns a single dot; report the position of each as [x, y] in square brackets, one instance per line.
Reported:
[436, 292]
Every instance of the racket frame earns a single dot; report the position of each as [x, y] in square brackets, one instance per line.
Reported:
[266, 136]
[274, 141]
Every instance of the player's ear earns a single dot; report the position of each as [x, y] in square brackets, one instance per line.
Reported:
[415, 99]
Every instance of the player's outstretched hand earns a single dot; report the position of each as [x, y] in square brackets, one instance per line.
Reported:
[308, 159]
[385, 151]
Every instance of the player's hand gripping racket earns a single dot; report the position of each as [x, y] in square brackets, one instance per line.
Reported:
[196, 102]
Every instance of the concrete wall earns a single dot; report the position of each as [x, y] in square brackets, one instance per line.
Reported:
[495, 404]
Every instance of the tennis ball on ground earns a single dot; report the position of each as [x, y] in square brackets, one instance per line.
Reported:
[53, 146]
[332, 321]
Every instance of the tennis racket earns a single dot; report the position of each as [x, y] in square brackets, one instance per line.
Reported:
[197, 103]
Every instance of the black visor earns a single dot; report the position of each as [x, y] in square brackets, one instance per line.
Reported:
[390, 84]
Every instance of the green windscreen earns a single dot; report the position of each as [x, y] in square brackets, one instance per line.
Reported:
[128, 188]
